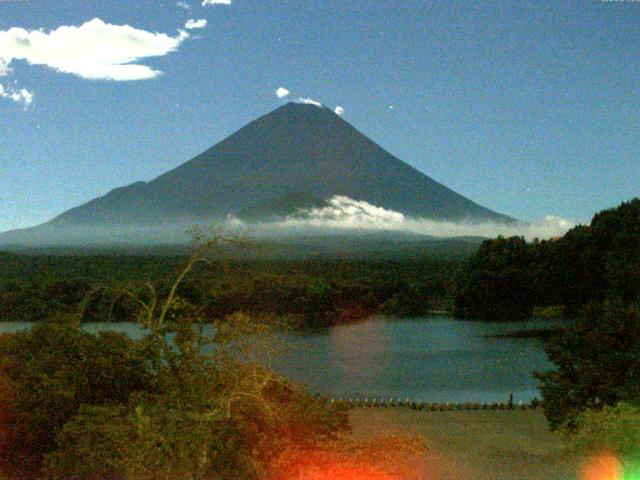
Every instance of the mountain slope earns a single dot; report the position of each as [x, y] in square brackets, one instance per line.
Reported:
[295, 151]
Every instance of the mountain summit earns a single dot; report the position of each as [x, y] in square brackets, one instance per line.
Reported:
[297, 156]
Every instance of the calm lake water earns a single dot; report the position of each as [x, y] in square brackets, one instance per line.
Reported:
[435, 359]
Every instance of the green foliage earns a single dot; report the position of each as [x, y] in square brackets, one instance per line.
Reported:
[54, 368]
[89, 445]
[613, 429]
[506, 278]
[496, 283]
[598, 364]
[152, 437]
[13, 461]
[572, 271]
[416, 299]
[178, 403]
[617, 235]
[320, 293]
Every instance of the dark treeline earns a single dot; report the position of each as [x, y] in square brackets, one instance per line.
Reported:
[316, 293]
[507, 277]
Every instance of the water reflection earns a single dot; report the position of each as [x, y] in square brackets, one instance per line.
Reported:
[425, 359]
[436, 359]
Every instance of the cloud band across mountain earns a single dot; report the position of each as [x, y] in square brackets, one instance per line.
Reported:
[344, 213]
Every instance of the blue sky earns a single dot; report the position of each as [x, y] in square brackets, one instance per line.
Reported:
[529, 108]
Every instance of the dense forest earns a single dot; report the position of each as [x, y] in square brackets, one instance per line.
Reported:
[76, 405]
[311, 293]
[507, 277]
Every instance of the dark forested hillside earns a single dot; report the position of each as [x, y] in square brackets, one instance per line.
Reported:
[506, 278]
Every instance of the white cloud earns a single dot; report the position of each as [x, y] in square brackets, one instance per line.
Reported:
[282, 92]
[23, 96]
[95, 50]
[310, 101]
[344, 213]
[192, 24]
[4, 68]
[184, 5]
[19, 96]
[215, 2]
[339, 110]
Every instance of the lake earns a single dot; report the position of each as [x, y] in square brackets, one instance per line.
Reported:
[434, 359]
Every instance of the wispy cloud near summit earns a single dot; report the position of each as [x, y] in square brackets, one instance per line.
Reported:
[310, 101]
[215, 2]
[282, 92]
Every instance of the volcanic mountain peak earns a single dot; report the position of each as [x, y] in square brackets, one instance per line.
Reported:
[297, 152]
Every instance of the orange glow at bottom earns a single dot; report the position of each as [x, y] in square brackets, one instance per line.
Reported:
[385, 458]
[337, 472]
[604, 466]
[328, 466]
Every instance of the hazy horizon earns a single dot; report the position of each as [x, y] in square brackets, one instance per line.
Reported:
[342, 216]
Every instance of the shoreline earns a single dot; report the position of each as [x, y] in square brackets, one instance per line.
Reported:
[543, 334]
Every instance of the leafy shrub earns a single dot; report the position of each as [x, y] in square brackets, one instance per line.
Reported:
[496, 282]
[598, 360]
[54, 368]
[176, 404]
[613, 431]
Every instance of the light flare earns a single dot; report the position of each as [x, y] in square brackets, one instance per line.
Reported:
[608, 466]
[343, 472]
[385, 458]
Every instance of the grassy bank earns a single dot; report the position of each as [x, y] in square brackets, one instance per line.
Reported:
[478, 445]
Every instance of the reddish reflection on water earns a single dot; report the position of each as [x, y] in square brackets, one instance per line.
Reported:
[366, 341]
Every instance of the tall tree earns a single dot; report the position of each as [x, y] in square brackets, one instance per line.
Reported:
[598, 363]
[496, 283]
